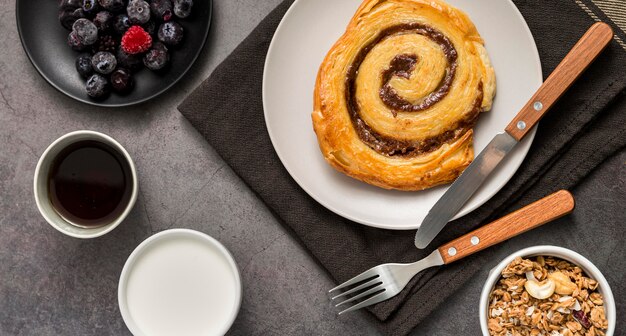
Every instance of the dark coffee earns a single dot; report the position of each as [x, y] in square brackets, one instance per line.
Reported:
[90, 183]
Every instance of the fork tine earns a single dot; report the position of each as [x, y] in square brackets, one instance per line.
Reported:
[373, 281]
[366, 293]
[363, 276]
[374, 299]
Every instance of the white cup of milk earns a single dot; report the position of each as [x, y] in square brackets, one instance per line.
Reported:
[179, 282]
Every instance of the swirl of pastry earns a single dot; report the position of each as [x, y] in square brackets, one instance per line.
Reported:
[398, 95]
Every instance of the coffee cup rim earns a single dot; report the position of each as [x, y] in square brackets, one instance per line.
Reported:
[42, 199]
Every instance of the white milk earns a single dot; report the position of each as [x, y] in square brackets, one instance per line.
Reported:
[181, 286]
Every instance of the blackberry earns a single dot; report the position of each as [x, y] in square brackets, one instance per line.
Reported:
[103, 62]
[97, 86]
[67, 17]
[161, 9]
[83, 65]
[106, 43]
[157, 57]
[122, 81]
[170, 33]
[75, 42]
[138, 11]
[103, 21]
[69, 4]
[90, 7]
[86, 31]
[112, 5]
[128, 61]
[121, 23]
[182, 8]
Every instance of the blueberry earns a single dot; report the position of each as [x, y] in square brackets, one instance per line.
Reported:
[170, 33]
[182, 8]
[70, 4]
[121, 23]
[161, 9]
[97, 86]
[103, 62]
[150, 27]
[90, 7]
[75, 42]
[86, 31]
[83, 65]
[67, 17]
[129, 61]
[103, 21]
[157, 57]
[122, 81]
[112, 5]
[138, 11]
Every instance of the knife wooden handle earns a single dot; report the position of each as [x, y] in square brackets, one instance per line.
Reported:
[576, 61]
[527, 218]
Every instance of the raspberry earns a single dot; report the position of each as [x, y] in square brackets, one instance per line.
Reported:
[136, 40]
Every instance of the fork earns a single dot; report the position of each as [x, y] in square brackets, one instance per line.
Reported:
[387, 280]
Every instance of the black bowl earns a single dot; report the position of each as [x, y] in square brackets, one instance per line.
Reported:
[44, 40]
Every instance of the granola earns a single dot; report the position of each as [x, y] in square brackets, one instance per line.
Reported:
[545, 296]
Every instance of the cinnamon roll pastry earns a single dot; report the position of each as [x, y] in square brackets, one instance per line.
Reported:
[398, 95]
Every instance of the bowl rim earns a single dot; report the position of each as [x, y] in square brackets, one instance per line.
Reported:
[560, 252]
[101, 103]
[146, 244]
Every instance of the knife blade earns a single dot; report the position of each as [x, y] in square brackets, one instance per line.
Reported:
[575, 62]
[463, 188]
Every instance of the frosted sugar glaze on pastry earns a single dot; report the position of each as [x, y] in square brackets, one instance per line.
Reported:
[397, 96]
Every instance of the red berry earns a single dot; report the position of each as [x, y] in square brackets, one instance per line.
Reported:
[136, 40]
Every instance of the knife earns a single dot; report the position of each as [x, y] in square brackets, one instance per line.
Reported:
[575, 62]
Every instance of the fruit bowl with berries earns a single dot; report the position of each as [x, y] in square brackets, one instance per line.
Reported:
[113, 52]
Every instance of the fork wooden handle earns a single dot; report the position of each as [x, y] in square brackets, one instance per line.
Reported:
[527, 218]
[582, 54]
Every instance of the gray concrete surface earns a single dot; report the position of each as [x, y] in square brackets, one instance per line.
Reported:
[51, 284]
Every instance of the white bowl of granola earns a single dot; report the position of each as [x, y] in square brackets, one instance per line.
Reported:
[549, 291]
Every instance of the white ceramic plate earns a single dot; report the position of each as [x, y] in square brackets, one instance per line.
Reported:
[307, 32]
[179, 282]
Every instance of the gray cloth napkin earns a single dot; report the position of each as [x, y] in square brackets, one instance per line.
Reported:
[584, 128]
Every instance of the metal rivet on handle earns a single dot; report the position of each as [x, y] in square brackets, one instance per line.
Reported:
[474, 240]
[537, 106]
[521, 125]
[452, 251]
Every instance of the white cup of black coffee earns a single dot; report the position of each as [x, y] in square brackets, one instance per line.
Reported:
[85, 184]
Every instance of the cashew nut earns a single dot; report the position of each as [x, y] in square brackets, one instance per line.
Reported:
[564, 285]
[540, 290]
